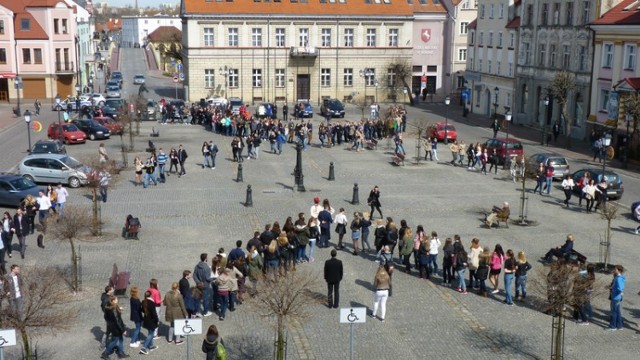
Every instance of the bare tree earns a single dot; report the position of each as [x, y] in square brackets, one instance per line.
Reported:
[403, 73]
[632, 107]
[48, 306]
[609, 212]
[361, 103]
[561, 87]
[69, 228]
[286, 298]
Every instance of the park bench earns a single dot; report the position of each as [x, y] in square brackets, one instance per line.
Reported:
[575, 257]
[504, 219]
[398, 159]
[371, 144]
[152, 147]
[119, 281]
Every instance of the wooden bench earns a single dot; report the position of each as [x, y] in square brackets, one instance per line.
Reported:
[119, 281]
[398, 159]
[499, 219]
[371, 144]
[504, 219]
[575, 257]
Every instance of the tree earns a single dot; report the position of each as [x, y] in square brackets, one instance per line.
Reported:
[70, 227]
[286, 298]
[48, 306]
[112, 169]
[609, 213]
[403, 71]
[631, 106]
[561, 88]
[361, 103]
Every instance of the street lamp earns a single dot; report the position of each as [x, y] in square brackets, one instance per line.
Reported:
[405, 91]
[495, 104]
[58, 108]
[27, 120]
[447, 101]
[507, 117]
[606, 141]
[366, 73]
[625, 164]
[375, 83]
[225, 71]
[544, 121]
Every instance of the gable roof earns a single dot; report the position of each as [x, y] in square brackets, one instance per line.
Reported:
[632, 82]
[165, 34]
[625, 13]
[19, 8]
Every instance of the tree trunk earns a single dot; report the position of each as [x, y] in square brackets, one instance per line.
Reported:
[26, 346]
[74, 265]
[280, 341]
[130, 135]
[608, 247]
[557, 352]
[567, 124]
[409, 93]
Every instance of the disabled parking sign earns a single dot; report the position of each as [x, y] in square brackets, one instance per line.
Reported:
[187, 327]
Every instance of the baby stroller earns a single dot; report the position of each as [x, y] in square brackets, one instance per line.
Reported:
[131, 227]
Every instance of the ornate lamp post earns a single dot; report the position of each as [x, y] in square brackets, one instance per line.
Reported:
[495, 104]
[405, 91]
[376, 83]
[606, 141]
[627, 143]
[58, 108]
[507, 117]
[544, 121]
[447, 101]
[27, 120]
[297, 172]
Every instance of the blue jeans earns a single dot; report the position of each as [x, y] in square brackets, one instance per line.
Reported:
[508, 280]
[149, 178]
[616, 316]
[300, 255]
[223, 297]
[365, 240]
[432, 262]
[207, 296]
[232, 300]
[461, 284]
[585, 313]
[161, 168]
[325, 236]
[148, 342]
[312, 244]
[521, 286]
[135, 336]
[279, 148]
[205, 160]
[119, 342]
[548, 180]
[60, 209]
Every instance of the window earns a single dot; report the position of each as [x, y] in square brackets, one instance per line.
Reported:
[604, 100]
[208, 36]
[393, 37]
[490, 38]
[234, 77]
[510, 69]
[209, 78]
[566, 57]
[479, 65]
[279, 78]
[3, 56]
[25, 24]
[303, 37]
[582, 58]
[371, 37]
[544, 16]
[482, 11]
[1, 27]
[527, 53]
[256, 80]
[369, 76]
[542, 55]
[512, 39]
[432, 68]
[256, 37]
[326, 37]
[65, 29]
[499, 39]
[607, 55]
[553, 53]
[569, 12]
[280, 37]
[489, 66]
[501, 11]
[491, 8]
[470, 64]
[481, 40]
[56, 26]
[233, 37]
[507, 100]
[586, 12]
[472, 39]
[26, 56]
[556, 14]
[464, 27]
[391, 77]
[347, 77]
[498, 65]
[630, 56]
[466, 5]
[348, 37]
[529, 14]
[325, 77]
[37, 56]
[462, 54]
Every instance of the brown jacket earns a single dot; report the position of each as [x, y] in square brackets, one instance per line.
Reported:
[175, 306]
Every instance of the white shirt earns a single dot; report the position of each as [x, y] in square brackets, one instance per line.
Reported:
[44, 202]
[567, 183]
[341, 219]
[434, 244]
[315, 210]
[16, 286]
[61, 195]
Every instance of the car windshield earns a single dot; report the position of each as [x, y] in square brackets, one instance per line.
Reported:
[334, 103]
[558, 161]
[22, 183]
[69, 127]
[449, 128]
[71, 162]
[113, 88]
[514, 146]
[139, 77]
[236, 103]
[43, 147]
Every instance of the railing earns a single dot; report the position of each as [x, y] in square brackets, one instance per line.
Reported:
[303, 51]
[64, 66]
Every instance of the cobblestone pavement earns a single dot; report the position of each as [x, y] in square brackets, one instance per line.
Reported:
[203, 211]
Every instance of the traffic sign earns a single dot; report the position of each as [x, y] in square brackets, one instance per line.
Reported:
[353, 315]
[175, 78]
[188, 327]
[7, 337]
[181, 76]
[36, 126]
[179, 66]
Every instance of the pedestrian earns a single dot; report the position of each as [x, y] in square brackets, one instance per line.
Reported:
[149, 175]
[102, 153]
[509, 274]
[381, 284]
[427, 149]
[182, 158]
[484, 158]
[589, 194]
[30, 205]
[213, 152]
[135, 306]
[14, 291]
[61, 199]
[522, 267]
[365, 222]
[104, 178]
[462, 150]
[280, 139]
[585, 288]
[493, 160]
[104, 301]
[206, 152]
[157, 300]
[474, 261]
[616, 291]
[556, 131]
[314, 234]
[116, 327]
[423, 258]
[381, 235]
[601, 193]
[497, 259]
[540, 178]
[548, 178]
[454, 153]
[374, 201]
[37, 105]
[285, 112]
[434, 148]
[173, 158]
[326, 219]
[255, 264]
[213, 345]
[407, 249]
[460, 265]
[202, 278]
[567, 187]
[483, 271]
[434, 245]
[7, 235]
[139, 167]
[175, 310]
[162, 164]
[495, 126]
[341, 227]
[447, 262]
[44, 204]
[151, 322]
[333, 276]
[21, 230]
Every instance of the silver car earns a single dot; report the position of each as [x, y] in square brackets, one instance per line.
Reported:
[138, 79]
[559, 163]
[53, 169]
[113, 92]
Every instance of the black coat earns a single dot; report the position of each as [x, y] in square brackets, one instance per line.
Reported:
[22, 227]
[115, 325]
[136, 310]
[150, 321]
[182, 155]
[333, 271]
[210, 346]
[374, 199]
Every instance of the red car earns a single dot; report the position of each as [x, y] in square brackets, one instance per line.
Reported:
[505, 148]
[111, 124]
[70, 133]
[437, 131]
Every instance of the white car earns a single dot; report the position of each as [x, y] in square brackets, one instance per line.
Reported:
[97, 98]
[138, 79]
[217, 101]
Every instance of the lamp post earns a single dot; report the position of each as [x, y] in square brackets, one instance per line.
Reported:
[544, 121]
[507, 117]
[405, 91]
[297, 172]
[78, 88]
[625, 164]
[376, 83]
[606, 141]
[366, 73]
[495, 104]
[91, 74]
[58, 107]
[27, 120]
[447, 101]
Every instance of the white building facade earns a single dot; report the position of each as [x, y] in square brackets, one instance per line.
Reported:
[135, 29]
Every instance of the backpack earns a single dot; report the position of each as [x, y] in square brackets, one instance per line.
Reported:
[221, 352]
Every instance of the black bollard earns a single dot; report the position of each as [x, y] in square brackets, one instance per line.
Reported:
[355, 200]
[249, 201]
[332, 175]
[239, 178]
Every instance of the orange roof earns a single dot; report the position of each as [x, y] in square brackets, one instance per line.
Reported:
[19, 7]
[625, 13]
[165, 34]
[310, 7]
[114, 25]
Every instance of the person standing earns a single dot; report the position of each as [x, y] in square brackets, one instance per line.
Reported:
[381, 284]
[460, 265]
[616, 291]
[14, 291]
[162, 163]
[567, 187]
[434, 148]
[206, 152]
[104, 178]
[135, 306]
[374, 201]
[341, 227]
[157, 300]
[325, 219]
[182, 158]
[509, 273]
[285, 112]
[213, 340]
[61, 199]
[213, 151]
[495, 126]
[202, 277]
[116, 327]
[522, 267]
[454, 153]
[556, 131]
[102, 152]
[474, 261]
[149, 175]
[44, 204]
[151, 321]
[434, 245]
[333, 276]
[174, 310]
[7, 234]
[104, 302]
[540, 178]
[21, 229]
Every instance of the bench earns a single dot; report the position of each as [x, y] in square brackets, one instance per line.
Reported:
[371, 144]
[151, 148]
[504, 219]
[499, 218]
[398, 159]
[119, 281]
[575, 257]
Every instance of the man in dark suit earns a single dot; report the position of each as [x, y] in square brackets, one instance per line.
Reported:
[182, 157]
[333, 276]
[21, 224]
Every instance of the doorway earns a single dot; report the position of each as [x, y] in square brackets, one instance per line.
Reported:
[303, 90]
[4, 90]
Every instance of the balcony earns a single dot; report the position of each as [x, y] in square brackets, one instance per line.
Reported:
[303, 51]
[64, 67]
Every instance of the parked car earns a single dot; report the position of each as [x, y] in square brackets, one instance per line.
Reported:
[54, 168]
[306, 110]
[560, 164]
[49, 147]
[217, 101]
[110, 112]
[266, 110]
[117, 76]
[14, 188]
[113, 92]
[505, 148]
[112, 83]
[70, 133]
[138, 79]
[615, 188]
[84, 102]
[234, 105]
[98, 99]
[92, 128]
[332, 108]
[152, 111]
[437, 131]
[115, 128]
[634, 206]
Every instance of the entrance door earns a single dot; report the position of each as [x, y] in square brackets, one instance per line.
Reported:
[4, 90]
[304, 87]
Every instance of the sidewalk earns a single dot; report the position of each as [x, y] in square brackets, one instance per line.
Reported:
[8, 118]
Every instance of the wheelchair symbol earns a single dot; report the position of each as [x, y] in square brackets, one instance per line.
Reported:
[187, 329]
[352, 317]
[2, 341]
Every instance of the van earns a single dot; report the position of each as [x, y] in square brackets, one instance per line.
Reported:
[234, 105]
[504, 147]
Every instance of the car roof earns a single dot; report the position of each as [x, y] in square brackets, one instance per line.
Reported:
[138, 75]
[596, 171]
[9, 176]
[48, 156]
[47, 141]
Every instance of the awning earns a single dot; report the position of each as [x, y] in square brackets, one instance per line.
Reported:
[7, 75]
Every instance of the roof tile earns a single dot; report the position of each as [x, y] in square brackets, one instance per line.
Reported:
[165, 34]
[625, 13]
